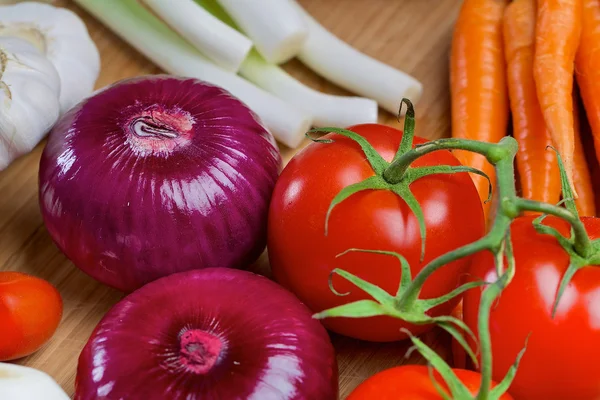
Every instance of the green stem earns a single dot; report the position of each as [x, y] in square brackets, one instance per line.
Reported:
[582, 244]
[408, 134]
[410, 296]
[485, 341]
[493, 152]
[506, 190]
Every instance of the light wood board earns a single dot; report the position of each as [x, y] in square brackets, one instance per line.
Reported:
[413, 35]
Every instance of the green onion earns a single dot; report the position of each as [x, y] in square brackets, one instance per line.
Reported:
[326, 109]
[347, 67]
[222, 44]
[277, 30]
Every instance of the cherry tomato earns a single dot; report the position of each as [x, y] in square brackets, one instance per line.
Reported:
[30, 311]
[302, 257]
[561, 357]
[412, 382]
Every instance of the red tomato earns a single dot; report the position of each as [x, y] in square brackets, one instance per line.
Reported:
[302, 257]
[30, 310]
[412, 382]
[561, 358]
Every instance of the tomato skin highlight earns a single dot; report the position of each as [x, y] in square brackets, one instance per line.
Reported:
[30, 311]
[302, 257]
[561, 357]
[412, 382]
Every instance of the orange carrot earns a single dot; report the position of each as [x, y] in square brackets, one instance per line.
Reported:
[538, 167]
[558, 30]
[585, 202]
[478, 83]
[587, 67]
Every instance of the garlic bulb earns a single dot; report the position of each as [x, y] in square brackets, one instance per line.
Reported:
[24, 383]
[29, 98]
[63, 37]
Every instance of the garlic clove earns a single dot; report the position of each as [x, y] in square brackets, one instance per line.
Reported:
[64, 39]
[29, 98]
[24, 383]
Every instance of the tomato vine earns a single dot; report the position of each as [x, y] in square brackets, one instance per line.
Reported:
[406, 304]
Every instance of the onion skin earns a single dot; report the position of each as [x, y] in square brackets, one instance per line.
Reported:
[156, 175]
[272, 348]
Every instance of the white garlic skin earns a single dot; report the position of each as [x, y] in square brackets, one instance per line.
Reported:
[24, 383]
[63, 37]
[29, 98]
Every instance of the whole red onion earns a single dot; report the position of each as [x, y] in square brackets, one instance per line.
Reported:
[212, 334]
[156, 175]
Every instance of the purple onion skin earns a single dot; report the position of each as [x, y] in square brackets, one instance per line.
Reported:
[156, 175]
[271, 347]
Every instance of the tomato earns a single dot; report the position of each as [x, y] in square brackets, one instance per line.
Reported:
[561, 356]
[302, 257]
[30, 311]
[412, 382]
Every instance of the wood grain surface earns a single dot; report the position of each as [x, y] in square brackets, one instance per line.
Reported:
[413, 35]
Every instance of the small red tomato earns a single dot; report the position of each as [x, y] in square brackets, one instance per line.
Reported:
[560, 362]
[413, 382]
[302, 257]
[30, 311]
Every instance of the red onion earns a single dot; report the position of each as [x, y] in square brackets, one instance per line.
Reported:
[156, 175]
[212, 334]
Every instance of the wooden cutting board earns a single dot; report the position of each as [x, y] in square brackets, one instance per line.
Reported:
[412, 35]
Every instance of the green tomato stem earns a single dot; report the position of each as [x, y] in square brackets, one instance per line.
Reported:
[582, 244]
[502, 154]
[485, 341]
[506, 189]
[408, 133]
[410, 296]
[395, 172]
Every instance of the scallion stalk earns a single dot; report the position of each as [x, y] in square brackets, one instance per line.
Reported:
[276, 29]
[326, 109]
[222, 44]
[347, 67]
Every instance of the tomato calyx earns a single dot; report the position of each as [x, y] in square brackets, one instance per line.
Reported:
[403, 305]
[576, 261]
[582, 251]
[396, 176]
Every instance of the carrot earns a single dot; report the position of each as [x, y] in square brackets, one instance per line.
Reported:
[478, 83]
[538, 168]
[585, 202]
[587, 67]
[558, 30]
